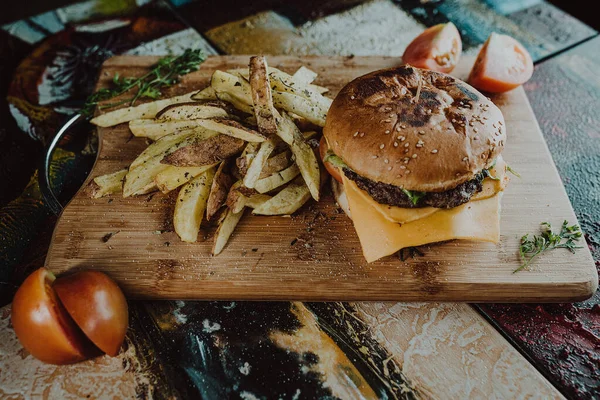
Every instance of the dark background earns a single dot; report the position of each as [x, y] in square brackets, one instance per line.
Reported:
[16, 10]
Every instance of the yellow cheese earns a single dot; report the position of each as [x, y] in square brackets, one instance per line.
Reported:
[380, 237]
[404, 215]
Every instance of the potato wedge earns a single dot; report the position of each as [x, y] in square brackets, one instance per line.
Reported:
[304, 75]
[227, 225]
[238, 104]
[142, 111]
[168, 142]
[259, 161]
[276, 163]
[301, 106]
[305, 157]
[190, 206]
[208, 93]
[261, 96]
[219, 189]
[286, 202]
[236, 200]
[232, 128]
[173, 177]
[205, 152]
[243, 72]
[277, 179]
[235, 86]
[194, 110]
[244, 160]
[109, 184]
[257, 200]
[142, 173]
[155, 129]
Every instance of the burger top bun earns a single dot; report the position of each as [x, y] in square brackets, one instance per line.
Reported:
[416, 129]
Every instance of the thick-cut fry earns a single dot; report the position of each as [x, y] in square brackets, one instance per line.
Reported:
[155, 129]
[190, 206]
[288, 201]
[236, 200]
[261, 96]
[226, 227]
[142, 111]
[109, 184]
[164, 144]
[207, 93]
[232, 128]
[305, 157]
[277, 179]
[276, 163]
[238, 104]
[285, 83]
[304, 75]
[205, 152]
[143, 170]
[259, 161]
[257, 200]
[243, 72]
[194, 110]
[219, 189]
[244, 160]
[235, 86]
[301, 106]
[173, 177]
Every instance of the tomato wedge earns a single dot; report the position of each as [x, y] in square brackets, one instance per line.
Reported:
[333, 171]
[438, 48]
[502, 64]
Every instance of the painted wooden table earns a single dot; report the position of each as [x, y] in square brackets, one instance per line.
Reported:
[288, 350]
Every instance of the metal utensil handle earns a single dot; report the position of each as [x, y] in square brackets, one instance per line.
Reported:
[50, 198]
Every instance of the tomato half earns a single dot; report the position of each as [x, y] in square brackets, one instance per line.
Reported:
[333, 171]
[502, 64]
[438, 48]
[43, 326]
[98, 307]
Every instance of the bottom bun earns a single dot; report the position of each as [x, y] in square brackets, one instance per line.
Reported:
[340, 197]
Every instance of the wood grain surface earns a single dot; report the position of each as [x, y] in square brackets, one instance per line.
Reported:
[315, 255]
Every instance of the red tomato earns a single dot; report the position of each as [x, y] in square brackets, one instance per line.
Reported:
[333, 171]
[43, 326]
[438, 48]
[502, 64]
[97, 305]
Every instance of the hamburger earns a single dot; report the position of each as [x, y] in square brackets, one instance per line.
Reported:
[416, 157]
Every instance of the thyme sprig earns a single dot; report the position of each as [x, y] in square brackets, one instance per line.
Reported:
[532, 246]
[164, 73]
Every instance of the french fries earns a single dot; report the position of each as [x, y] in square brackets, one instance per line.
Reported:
[109, 184]
[277, 179]
[205, 152]
[207, 93]
[261, 96]
[155, 129]
[173, 177]
[193, 110]
[260, 112]
[142, 111]
[218, 191]
[226, 227]
[305, 157]
[190, 206]
[232, 128]
[286, 202]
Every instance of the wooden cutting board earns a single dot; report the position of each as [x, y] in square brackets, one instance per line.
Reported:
[315, 255]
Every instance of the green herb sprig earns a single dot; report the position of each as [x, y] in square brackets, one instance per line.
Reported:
[164, 73]
[413, 195]
[533, 245]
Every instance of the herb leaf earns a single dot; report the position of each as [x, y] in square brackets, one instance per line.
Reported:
[334, 160]
[164, 73]
[414, 196]
[533, 245]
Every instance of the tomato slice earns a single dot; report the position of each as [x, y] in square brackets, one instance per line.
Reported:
[502, 64]
[333, 171]
[43, 326]
[97, 305]
[438, 48]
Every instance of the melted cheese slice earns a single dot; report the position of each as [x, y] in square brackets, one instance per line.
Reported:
[379, 237]
[404, 215]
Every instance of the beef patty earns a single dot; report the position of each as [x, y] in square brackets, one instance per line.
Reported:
[384, 193]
